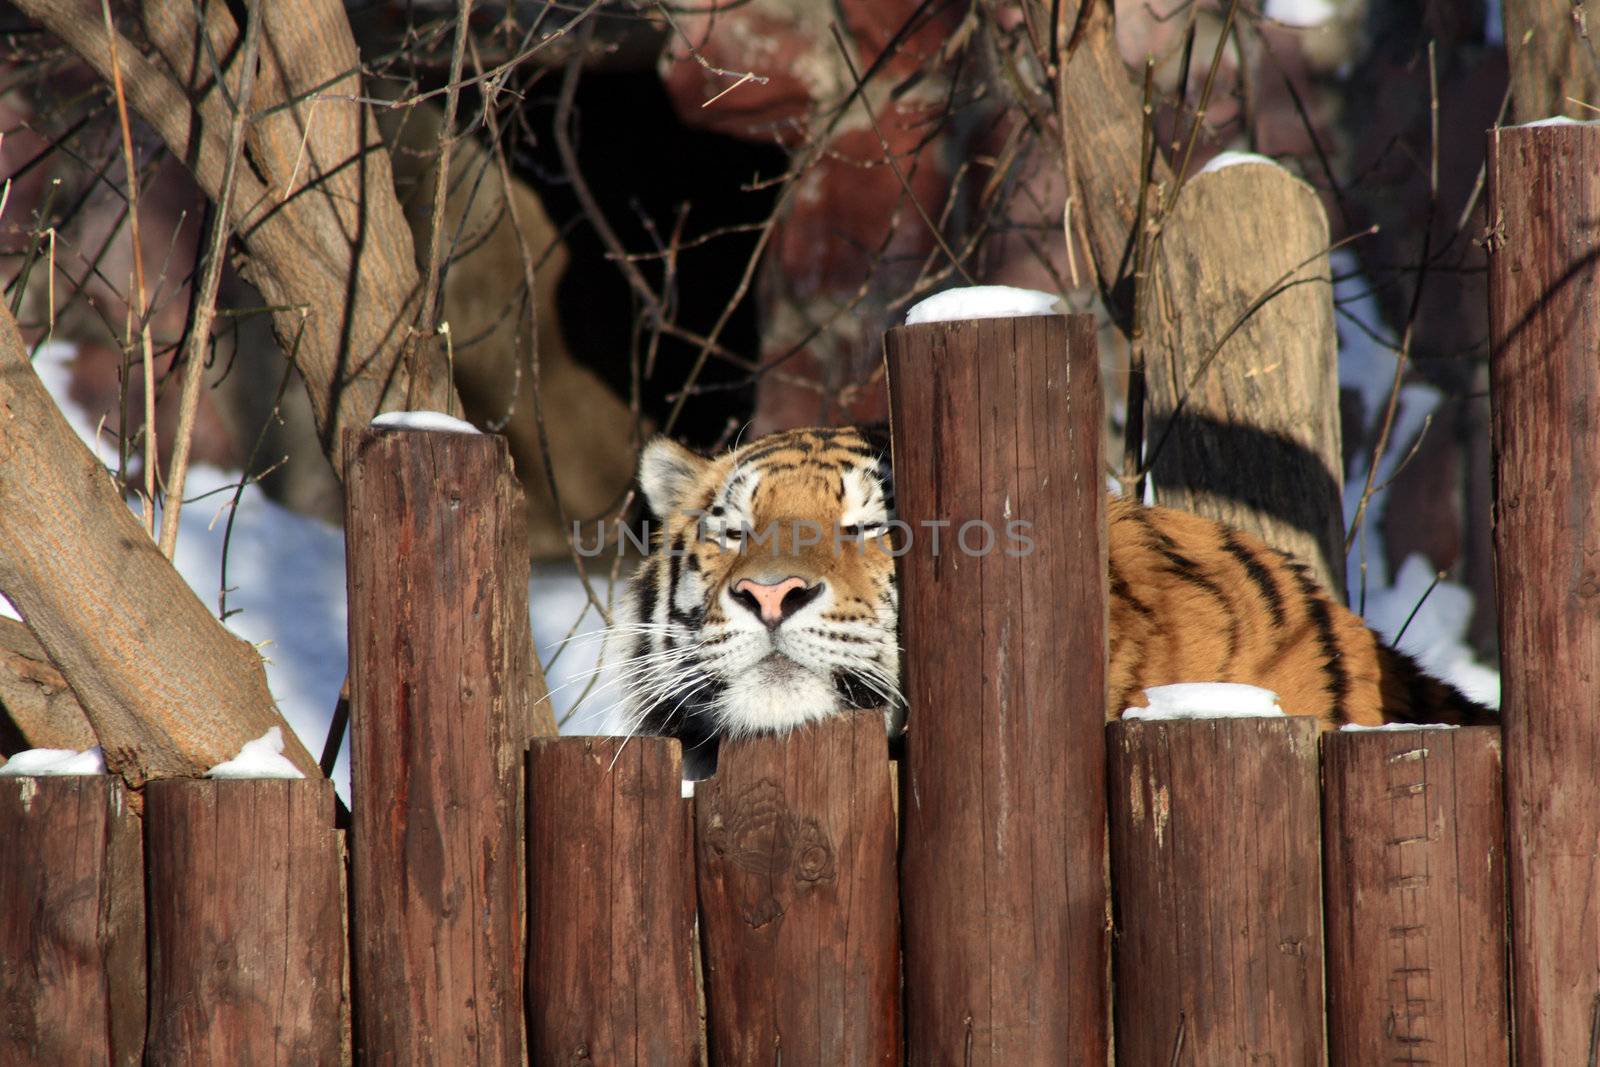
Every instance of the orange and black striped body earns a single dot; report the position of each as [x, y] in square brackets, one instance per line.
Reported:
[1192, 600]
[736, 625]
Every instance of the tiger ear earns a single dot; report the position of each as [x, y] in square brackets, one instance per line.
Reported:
[876, 434]
[668, 473]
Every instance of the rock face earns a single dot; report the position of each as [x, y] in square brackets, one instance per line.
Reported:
[848, 243]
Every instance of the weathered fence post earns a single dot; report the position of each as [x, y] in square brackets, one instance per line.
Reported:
[797, 898]
[246, 922]
[1414, 869]
[1256, 443]
[1214, 835]
[439, 658]
[610, 904]
[1544, 330]
[997, 428]
[72, 986]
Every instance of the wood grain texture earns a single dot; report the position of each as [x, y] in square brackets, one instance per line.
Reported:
[167, 689]
[246, 922]
[611, 921]
[1215, 860]
[1003, 837]
[1414, 897]
[1256, 445]
[1102, 124]
[72, 955]
[440, 656]
[1544, 331]
[798, 915]
[35, 697]
[1551, 56]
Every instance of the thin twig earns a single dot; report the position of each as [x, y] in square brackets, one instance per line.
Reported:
[1403, 356]
[888, 155]
[1182, 173]
[206, 306]
[1279, 285]
[529, 282]
[1437, 578]
[432, 288]
[138, 277]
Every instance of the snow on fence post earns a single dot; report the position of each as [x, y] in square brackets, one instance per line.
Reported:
[437, 566]
[611, 939]
[997, 423]
[1414, 870]
[796, 869]
[246, 922]
[1544, 333]
[72, 986]
[1214, 855]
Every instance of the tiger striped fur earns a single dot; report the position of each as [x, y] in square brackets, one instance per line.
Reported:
[720, 636]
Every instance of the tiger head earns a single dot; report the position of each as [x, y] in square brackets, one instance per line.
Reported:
[769, 600]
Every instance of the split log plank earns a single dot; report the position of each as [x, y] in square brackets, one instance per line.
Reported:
[72, 949]
[440, 659]
[1414, 870]
[799, 919]
[611, 915]
[1544, 331]
[1003, 843]
[246, 922]
[1215, 859]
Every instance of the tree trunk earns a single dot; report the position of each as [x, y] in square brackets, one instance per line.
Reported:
[168, 691]
[1102, 123]
[315, 208]
[35, 697]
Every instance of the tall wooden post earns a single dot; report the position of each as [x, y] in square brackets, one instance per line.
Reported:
[437, 569]
[1255, 442]
[797, 898]
[1414, 866]
[1544, 329]
[611, 939]
[72, 957]
[996, 424]
[246, 921]
[1214, 834]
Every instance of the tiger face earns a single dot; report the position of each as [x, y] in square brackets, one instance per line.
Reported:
[769, 600]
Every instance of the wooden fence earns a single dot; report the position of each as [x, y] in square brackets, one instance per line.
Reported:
[1278, 897]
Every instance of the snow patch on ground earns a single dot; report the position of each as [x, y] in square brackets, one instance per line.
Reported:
[42, 762]
[569, 636]
[423, 420]
[261, 758]
[1494, 28]
[1301, 14]
[286, 595]
[1206, 700]
[1436, 633]
[1436, 636]
[1223, 160]
[984, 302]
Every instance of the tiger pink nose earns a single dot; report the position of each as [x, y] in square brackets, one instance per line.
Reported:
[773, 603]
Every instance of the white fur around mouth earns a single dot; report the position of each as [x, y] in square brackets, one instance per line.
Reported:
[776, 694]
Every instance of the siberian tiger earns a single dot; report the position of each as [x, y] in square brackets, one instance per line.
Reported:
[736, 625]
